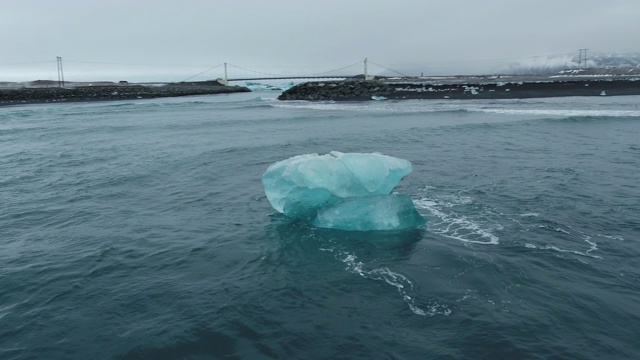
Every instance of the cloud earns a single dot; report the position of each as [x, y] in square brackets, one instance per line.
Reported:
[178, 38]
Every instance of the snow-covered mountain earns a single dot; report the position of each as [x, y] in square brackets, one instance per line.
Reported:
[614, 63]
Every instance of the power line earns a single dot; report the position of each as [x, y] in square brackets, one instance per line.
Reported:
[28, 63]
[494, 59]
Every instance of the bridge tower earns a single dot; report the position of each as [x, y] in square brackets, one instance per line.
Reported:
[225, 81]
[366, 74]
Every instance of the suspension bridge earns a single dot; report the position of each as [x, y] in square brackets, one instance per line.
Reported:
[225, 73]
[339, 73]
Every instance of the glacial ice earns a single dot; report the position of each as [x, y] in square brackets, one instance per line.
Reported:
[305, 186]
[376, 212]
[311, 181]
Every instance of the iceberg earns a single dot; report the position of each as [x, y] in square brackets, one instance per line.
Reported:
[257, 86]
[305, 186]
[377, 212]
[305, 183]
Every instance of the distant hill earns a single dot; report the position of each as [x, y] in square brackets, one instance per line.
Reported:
[620, 64]
[615, 61]
[601, 71]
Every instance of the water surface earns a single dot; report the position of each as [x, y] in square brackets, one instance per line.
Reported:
[140, 230]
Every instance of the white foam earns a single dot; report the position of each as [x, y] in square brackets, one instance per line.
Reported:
[399, 281]
[560, 113]
[530, 215]
[466, 295]
[593, 246]
[585, 254]
[556, 229]
[431, 106]
[612, 237]
[373, 106]
[455, 226]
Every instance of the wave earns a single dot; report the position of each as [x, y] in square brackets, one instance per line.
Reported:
[461, 218]
[449, 223]
[369, 107]
[20, 130]
[561, 112]
[18, 112]
[571, 233]
[478, 227]
[252, 106]
[509, 108]
[402, 283]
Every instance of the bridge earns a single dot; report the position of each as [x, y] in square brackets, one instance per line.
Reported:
[291, 78]
[224, 72]
[331, 74]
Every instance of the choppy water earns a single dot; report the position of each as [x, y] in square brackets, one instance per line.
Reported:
[139, 230]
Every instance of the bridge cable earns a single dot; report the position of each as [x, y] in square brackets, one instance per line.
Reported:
[342, 68]
[131, 64]
[310, 75]
[200, 73]
[254, 71]
[384, 67]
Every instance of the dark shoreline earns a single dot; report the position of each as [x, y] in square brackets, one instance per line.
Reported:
[111, 92]
[462, 88]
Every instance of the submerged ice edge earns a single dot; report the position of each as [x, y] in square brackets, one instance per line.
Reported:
[403, 285]
[456, 227]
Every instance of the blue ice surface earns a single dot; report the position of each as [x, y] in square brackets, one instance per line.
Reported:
[303, 186]
[376, 212]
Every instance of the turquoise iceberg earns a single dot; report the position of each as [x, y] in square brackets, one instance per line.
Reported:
[377, 212]
[307, 186]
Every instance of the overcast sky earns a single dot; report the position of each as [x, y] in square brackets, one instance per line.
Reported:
[170, 39]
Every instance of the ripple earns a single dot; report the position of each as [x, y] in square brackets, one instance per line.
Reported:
[449, 223]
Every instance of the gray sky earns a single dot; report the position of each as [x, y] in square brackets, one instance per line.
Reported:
[173, 39]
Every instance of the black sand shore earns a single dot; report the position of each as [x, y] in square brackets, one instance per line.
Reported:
[495, 87]
[48, 92]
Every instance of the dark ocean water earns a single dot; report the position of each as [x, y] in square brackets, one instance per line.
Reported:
[140, 230]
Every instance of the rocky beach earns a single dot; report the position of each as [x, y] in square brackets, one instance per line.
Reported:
[469, 87]
[45, 91]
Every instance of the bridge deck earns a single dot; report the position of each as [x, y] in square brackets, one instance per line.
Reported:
[291, 78]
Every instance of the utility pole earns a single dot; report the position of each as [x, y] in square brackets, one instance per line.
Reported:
[582, 58]
[585, 58]
[60, 72]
